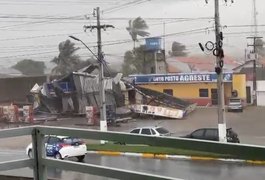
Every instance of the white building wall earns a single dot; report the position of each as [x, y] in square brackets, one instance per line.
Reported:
[261, 93]
[261, 98]
[250, 84]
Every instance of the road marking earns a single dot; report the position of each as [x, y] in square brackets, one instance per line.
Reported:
[165, 156]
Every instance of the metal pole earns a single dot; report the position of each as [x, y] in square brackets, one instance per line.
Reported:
[39, 153]
[220, 84]
[155, 57]
[103, 117]
[255, 59]
[255, 18]
[254, 79]
[255, 76]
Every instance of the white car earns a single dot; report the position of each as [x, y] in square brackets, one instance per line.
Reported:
[152, 131]
[61, 147]
[235, 104]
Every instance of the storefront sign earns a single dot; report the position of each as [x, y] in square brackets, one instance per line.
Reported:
[180, 78]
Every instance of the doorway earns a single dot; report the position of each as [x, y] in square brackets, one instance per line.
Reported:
[214, 96]
[248, 90]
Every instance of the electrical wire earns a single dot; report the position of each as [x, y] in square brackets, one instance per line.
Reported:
[122, 6]
[115, 42]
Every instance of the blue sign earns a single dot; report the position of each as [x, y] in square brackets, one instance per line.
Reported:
[153, 44]
[66, 87]
[180, 78]
[50, 88]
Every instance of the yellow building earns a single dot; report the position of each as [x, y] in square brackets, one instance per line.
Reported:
[200, 88]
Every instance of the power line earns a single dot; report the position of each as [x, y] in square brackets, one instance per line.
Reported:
[124, 41]
[33, 37]
[122, 6]
[31, 54]
[53, 19]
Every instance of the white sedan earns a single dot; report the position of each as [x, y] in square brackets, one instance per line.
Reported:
[152, 131]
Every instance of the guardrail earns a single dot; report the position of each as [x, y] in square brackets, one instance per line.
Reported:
[40, 162]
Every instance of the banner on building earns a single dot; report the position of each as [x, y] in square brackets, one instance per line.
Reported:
[158, 111]
[180, 78]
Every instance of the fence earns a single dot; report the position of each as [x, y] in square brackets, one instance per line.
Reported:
[15, 114]
[40, 162]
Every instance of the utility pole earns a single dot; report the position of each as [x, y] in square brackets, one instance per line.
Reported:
[254, 45]
[255, 18]
[254, 79]
[219, 71]
[103, 116]
[218, 52]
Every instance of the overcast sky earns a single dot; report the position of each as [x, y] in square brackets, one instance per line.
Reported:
[32, 29]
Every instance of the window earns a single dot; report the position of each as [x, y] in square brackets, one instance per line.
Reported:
[46, 139]
[211, 134]
[146, 131]
[198, 134]
[203, 93]
[72, 141]
[153, 132]
[53, 140]
[135, 131]
[67, 141]
[162, 130]
[168, 91]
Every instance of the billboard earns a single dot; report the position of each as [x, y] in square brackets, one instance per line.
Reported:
[153, 44]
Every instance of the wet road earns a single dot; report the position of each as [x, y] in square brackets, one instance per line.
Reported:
[189, 170]
[249, 125]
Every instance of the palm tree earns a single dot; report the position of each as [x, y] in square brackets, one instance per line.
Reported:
[67, 61]
[137, 27]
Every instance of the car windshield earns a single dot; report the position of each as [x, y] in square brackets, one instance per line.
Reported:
[230, 132]
[162, 130]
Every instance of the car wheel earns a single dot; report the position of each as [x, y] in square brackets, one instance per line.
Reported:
[58, 156]
[30, 153]
[81, 158]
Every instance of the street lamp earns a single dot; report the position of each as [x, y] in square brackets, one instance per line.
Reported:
[103, 117]
[75, 38]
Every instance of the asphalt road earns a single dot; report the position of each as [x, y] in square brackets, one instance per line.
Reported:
[183, 169]
[249, 125]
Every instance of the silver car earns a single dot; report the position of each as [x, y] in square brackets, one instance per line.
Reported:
[235, 104]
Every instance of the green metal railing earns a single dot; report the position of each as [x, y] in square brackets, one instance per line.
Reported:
[40, 162]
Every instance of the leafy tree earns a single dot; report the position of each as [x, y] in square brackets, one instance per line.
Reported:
[260, 47]
[178, 49]
[136, 61]
[66, 62]
[137, 27]
[128, 64]
[30, 67]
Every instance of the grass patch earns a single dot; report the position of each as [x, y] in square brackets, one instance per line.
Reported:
[154, 150]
